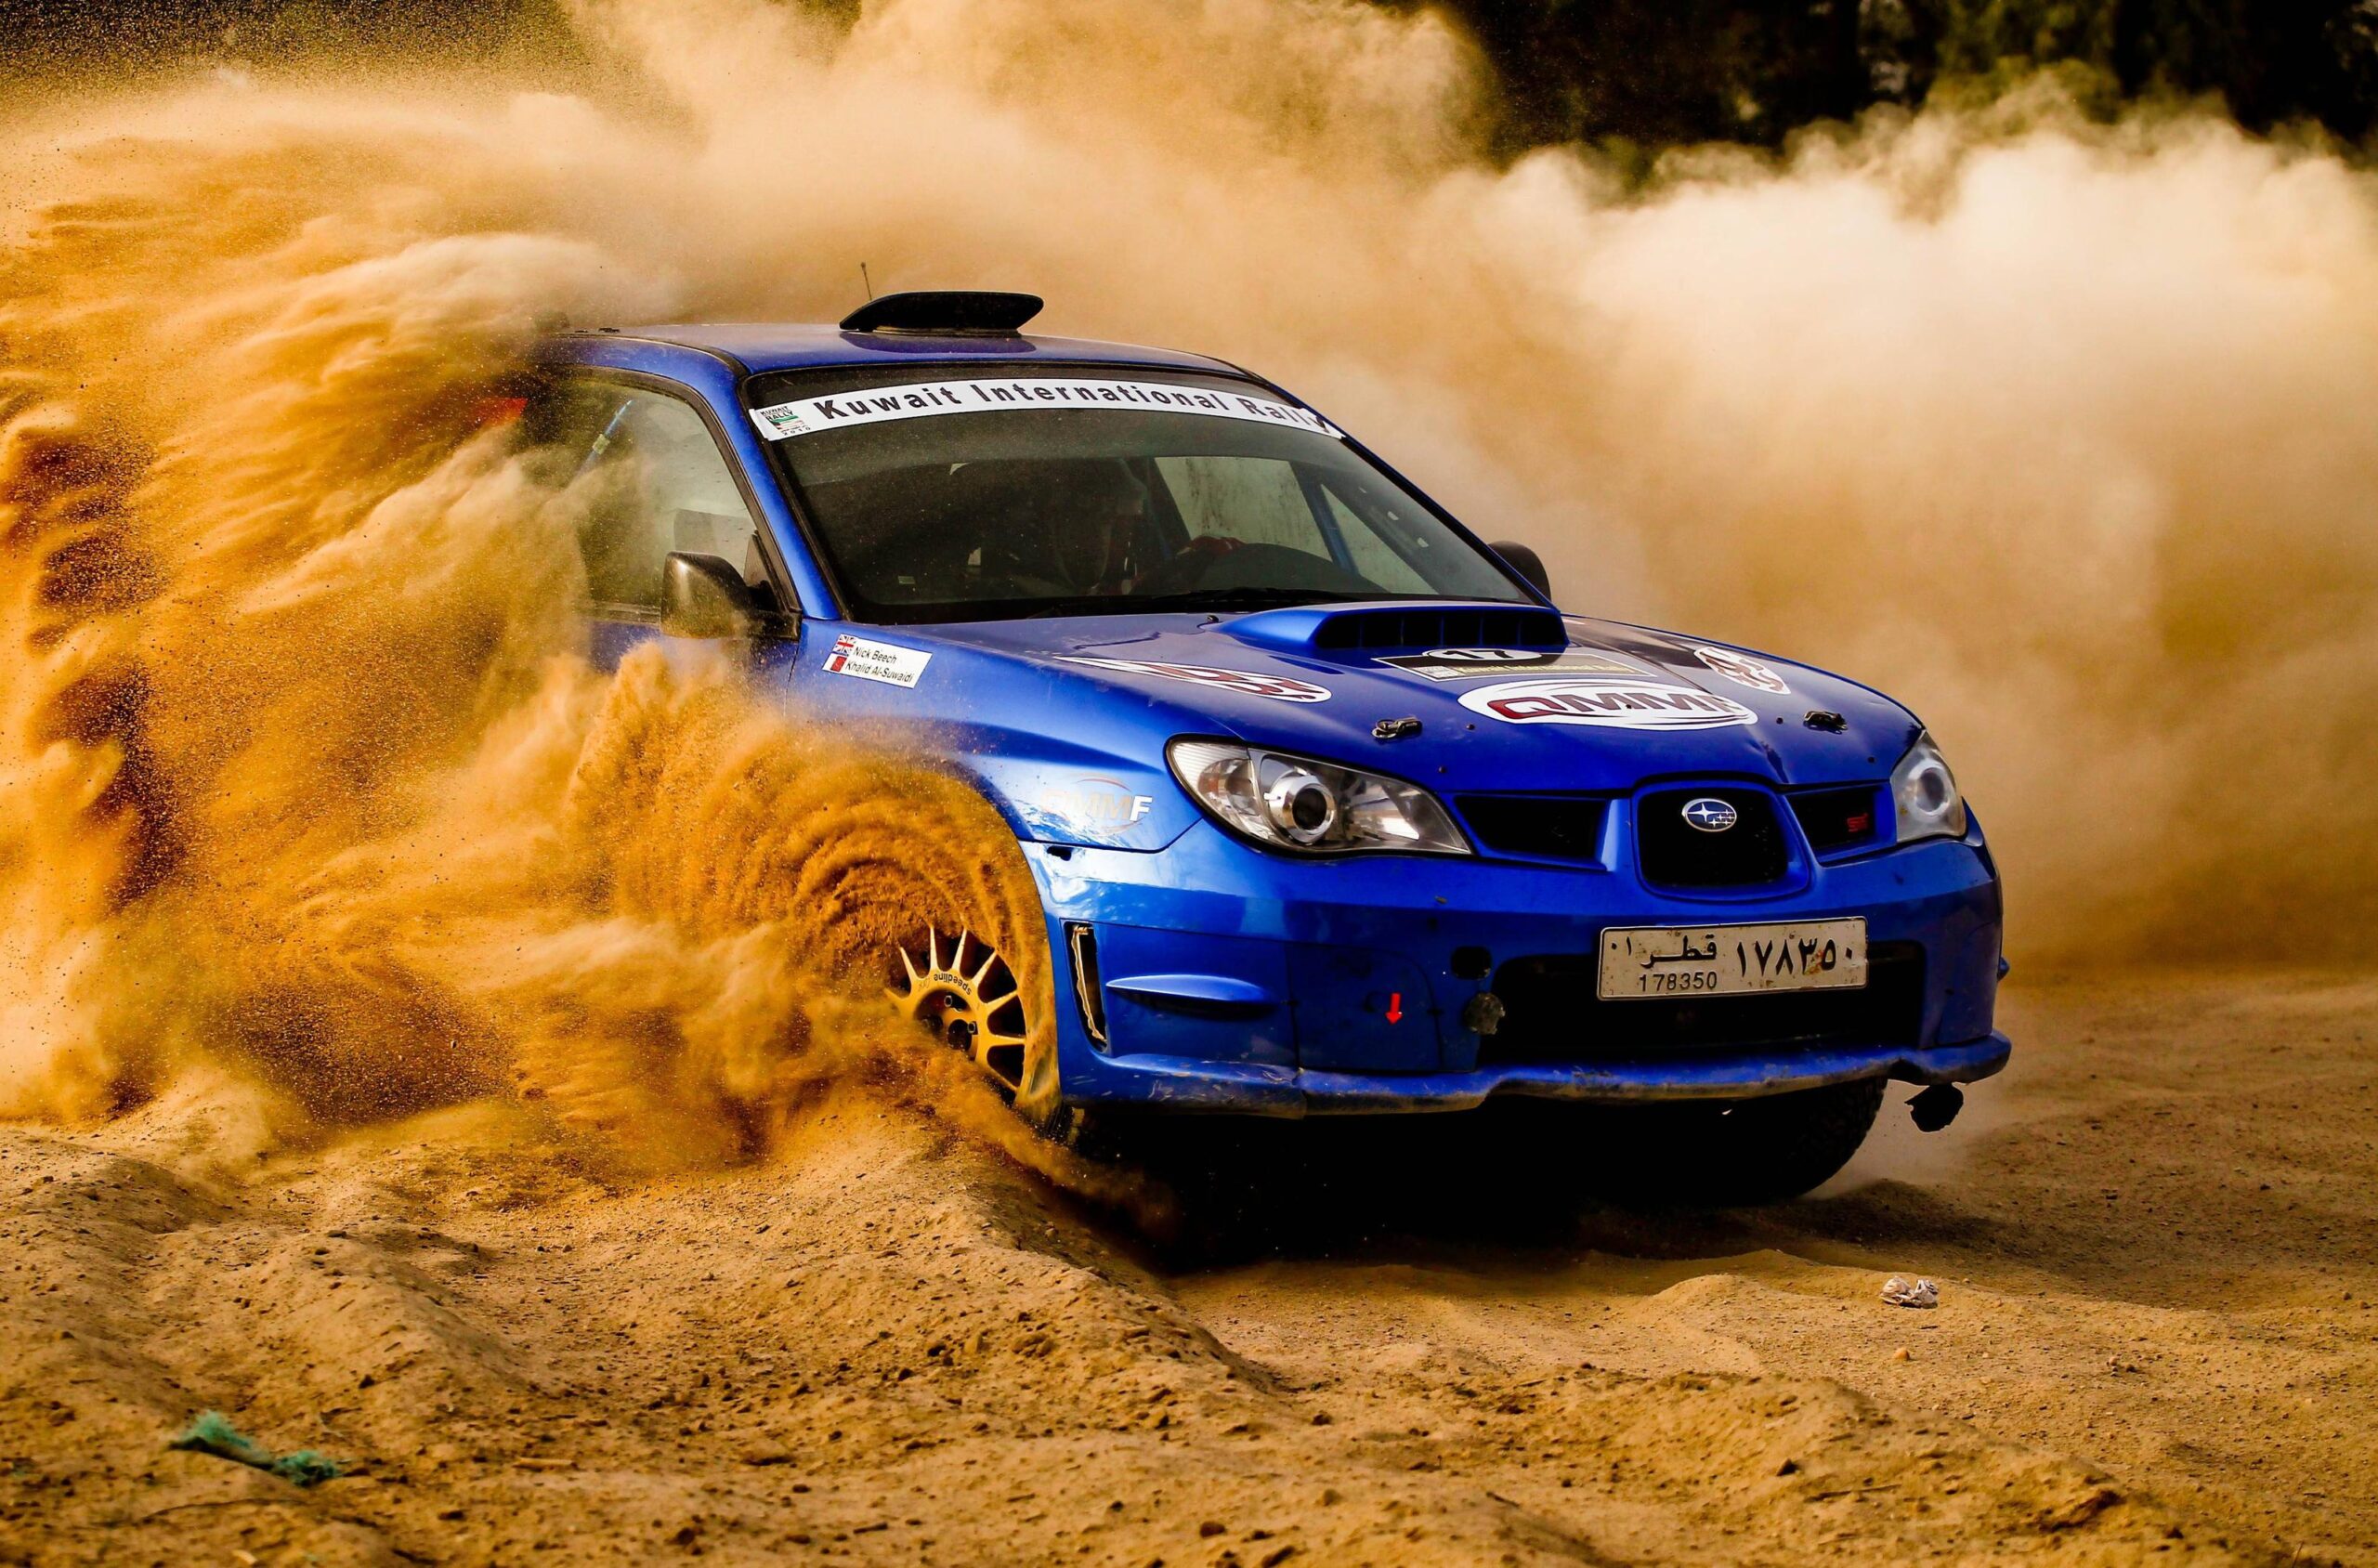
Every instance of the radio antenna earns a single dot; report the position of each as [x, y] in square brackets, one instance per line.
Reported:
[866, 284]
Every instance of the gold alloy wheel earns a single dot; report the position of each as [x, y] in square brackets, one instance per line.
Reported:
[964, 992]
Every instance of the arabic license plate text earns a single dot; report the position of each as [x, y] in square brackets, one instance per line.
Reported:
[1643, 962]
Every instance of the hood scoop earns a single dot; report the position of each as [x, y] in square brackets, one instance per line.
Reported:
[1398, 628]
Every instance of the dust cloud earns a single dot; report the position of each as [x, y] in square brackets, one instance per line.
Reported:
[308, 778]
[2053, 429]
[2057, 430]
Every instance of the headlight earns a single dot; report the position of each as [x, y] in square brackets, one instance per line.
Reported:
[1319, 808]
[1924, 794]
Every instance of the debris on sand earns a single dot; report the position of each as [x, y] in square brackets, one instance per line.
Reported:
[1902, 1291]
[213, 1432]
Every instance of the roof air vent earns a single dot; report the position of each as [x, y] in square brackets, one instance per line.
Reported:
[971, 312]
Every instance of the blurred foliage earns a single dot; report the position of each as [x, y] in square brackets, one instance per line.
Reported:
[1652, 74]
[1634, 75]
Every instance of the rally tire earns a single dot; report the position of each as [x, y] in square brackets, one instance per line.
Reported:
[969, 994]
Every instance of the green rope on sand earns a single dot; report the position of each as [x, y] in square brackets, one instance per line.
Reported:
[214, 1433]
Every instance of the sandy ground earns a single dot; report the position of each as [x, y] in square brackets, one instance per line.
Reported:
[2154, 1240]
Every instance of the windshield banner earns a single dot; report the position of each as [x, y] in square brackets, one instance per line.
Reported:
[812, 416]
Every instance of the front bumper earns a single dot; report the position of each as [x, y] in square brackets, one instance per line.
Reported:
[1234, 980]
[1183, 1083]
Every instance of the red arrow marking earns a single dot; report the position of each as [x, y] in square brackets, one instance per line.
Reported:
[1394, 1007]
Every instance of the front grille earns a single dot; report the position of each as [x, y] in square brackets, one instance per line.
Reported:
[1547, 826]
[1675, 854]
[1551, 1013]
[1835, 819]
[1372, 630]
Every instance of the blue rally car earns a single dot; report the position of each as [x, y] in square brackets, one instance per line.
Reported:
[1330, 809]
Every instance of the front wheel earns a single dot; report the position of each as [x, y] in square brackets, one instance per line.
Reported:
[990, 1006]
[1742, 1152]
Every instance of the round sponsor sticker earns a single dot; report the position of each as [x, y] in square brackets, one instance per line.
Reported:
[1742, 670]
[1279, 688]
[1607, 702]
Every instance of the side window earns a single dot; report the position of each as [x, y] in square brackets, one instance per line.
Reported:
[1372, 555]
[1254, 501]
[655, 483]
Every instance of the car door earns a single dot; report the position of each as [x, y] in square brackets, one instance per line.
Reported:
[654, 482]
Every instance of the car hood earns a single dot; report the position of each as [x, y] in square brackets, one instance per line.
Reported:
[1551, 703]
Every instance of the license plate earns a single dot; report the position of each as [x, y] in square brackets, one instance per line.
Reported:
[1640, 963]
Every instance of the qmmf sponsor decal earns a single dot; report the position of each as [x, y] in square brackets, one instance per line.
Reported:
[1279, 688]
[923, 399]
[864, 660]
[1742, 670]
[1607, 702]
[1097, 802]
[1475, 663]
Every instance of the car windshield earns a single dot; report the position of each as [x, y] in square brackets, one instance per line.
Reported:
[954, 493]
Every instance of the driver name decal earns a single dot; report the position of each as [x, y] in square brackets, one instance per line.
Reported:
[864, 660]
[1610, 703]
[812, 416]
[1279, 688]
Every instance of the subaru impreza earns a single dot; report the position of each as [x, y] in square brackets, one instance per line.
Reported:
[1330, 807]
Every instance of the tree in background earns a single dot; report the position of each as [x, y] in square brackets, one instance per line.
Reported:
[1646, 73]
[1658, 72]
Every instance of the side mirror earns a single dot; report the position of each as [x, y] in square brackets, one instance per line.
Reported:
[1526, 562]
[702, 596]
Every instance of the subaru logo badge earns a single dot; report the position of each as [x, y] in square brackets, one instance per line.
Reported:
[1711, 815]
